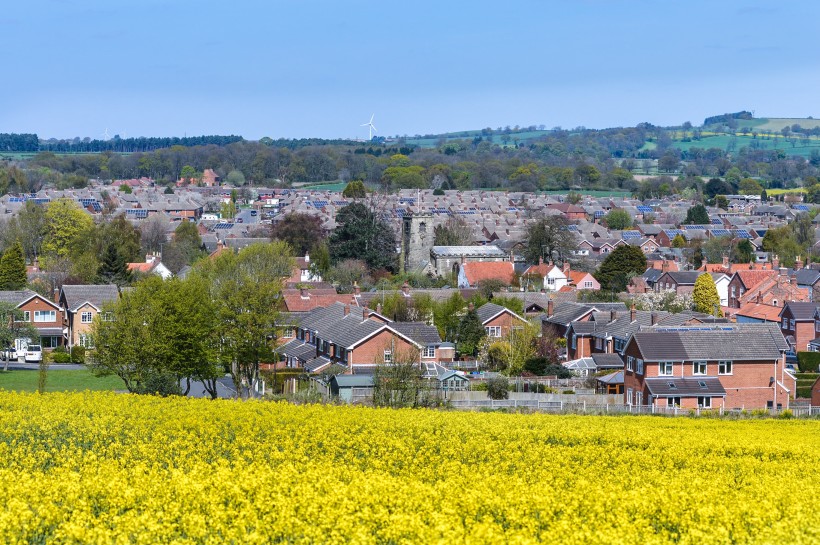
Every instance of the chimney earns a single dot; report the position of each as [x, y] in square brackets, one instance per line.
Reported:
[304, 293]
[798, 264]
[783, 271]
[566, 268]
[540, 260]
[405, 289]
[150, 258]
[654, 318]
[356, 289]
[664, 265]
[346, 310]
[57, 296]
[758, 298]
[632, 313]
[550, 307]
[775, 262]
[613, 315]
[726, 262]
[378, 308]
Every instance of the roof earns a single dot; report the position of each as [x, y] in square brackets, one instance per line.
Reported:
[752, 278]
[95, 294]
[488, 311]
[613, 378]
[802, 312]
[478, 271]
[580, 364]
[16, 297]
[608, 361]
[762, 342]
[759, 311]
[685, 386]
[472, 251]
[353, 381]
[684, 277]
[418, 331]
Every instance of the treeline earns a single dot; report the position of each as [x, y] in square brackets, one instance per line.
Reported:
[130, 145]
[19, 142]
[726, 118]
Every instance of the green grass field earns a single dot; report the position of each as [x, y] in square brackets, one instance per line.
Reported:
[335, 186]
[59, 380]
[497, 138]
[722, 141]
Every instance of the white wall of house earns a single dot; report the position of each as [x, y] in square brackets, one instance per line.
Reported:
[722, 285]
[555, 280]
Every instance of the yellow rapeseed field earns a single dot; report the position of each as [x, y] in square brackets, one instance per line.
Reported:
[113, 468]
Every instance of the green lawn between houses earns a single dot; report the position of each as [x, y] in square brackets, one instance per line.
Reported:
[59, 380]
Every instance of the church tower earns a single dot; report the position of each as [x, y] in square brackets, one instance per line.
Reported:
[416, 241]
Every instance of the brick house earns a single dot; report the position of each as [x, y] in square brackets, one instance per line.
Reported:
[82, 304]
[725, 367]
[301, 271]
[499, 321]
[743, 281]
[357, 339]
[680, 282]
[797, 323]
[45, 316]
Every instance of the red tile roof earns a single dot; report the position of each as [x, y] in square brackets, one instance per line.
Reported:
[752, 278]
[769, 313]
[478, 271]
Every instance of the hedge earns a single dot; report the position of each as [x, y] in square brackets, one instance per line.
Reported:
[808, 362]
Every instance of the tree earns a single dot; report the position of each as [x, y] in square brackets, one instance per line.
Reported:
[13, 269]
[65, 223]
[620, 265]
[618, 219]
[470, 334]
[764, 197]
[235, 178]
[749, 186]
[345, 273]
[744, 252]
[447, 316]
[453, 232]
[716, 186]
[354, 190]
[721, 202]
[362, 234]
[12, 326]
[697, 215]
[705, 296]
[498, 388]
[511, 354]
[246, 289]
[301, 231]
[679, 241]
[587, 175]
[715, 248]
[184, 249]
[113, 267]
[153, 233]
[549, 239]
[400, 383]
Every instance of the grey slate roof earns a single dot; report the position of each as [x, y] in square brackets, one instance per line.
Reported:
[353, 381]
[764, 342]
[608, 361]
[685, 387]
[565, 313]
[613, 378]
[418, 331]
[96, 294]
[802, 312]
[684, 277]
[15, 297]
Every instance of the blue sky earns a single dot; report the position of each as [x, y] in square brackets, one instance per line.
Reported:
[310, 68]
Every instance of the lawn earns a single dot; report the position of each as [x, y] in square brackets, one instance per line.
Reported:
[59, 380]
[721, 141]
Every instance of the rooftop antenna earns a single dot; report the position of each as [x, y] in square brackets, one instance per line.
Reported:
[370, 127]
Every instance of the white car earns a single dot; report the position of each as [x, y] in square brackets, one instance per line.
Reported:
[34, 353]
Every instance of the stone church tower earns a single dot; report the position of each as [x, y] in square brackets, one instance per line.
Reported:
[416, 241]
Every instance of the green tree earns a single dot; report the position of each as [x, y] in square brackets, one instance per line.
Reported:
[13, 327]
[705, 295]
[354, 190]
[184, 249]
[619, 266]
[679, 241]
[235, 178]
[550, 239]
[113, 267]
[716, 248]
[764, 197]
[587, 175]
[362, 234]
[749, 186]
[744, 252]
[65, 224]
[13, 269]
[697, 215]
[453, 232]
[721, 202]
[246, 289]
[470, 334]
[618, 219]
[447, 316]
[400, 383]
[301, 231]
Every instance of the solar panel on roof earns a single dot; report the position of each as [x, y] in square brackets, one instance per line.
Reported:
[721, 232]
[631, 234]
[688, 227]
[223, 225]
[801, 207]
[645, 209]
[740, 233]
[717, 221]
[599, 214]
[97, 207]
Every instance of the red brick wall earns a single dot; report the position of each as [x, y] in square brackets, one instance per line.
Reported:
[372, 350]
[505, 321]
[804, 334]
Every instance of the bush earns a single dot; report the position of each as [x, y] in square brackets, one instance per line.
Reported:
[61, 357]
[78, 354]
[570, 392]
[808, 362]
[161, 384]
[498, 388]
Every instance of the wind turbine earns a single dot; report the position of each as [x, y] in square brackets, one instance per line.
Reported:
[370, 127]
[105, 135]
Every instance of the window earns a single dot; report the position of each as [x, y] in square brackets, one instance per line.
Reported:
[550, 281]
[26, 316]
[639, 398]
[573, 342]
[629, 396]
[86, 317]
[620, 344]
[342, 355]
[50, 342]
[704, 402]
[429, 351]
[699, 368]
[587, 284]
[599, 343]
[791, 322]
[724, 368]
[288, 333]
[493, 331]
[784, 323]
[45, 316]
[665, 368]
[107, 317]
[673, 402]
[733, 291]
[630, 363]
[388, 356]
[86, 341]
[639, 366]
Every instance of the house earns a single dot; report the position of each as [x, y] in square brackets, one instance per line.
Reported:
[741, 367]
[305, 299]
[302, 271]
[797, 324]
[776, 290]
[45, 316]
[359, 339]
[499, 321]
[743, 281]
[152, 265]
[471, 274]
[583, 281]
[757, 313]
[680, 282]
[550, 276]
[82, 304]
[445, 260]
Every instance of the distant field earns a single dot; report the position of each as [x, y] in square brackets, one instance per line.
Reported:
[497, 138]
[336, 186]
[773, 192]
[722, 142]
[59, 380]
[777, 123]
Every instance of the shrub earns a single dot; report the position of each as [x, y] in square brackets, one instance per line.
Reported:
[498, 388]
[161, 384]
[570, 392]
[78, 354]
[61, 357]
[808, 362]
